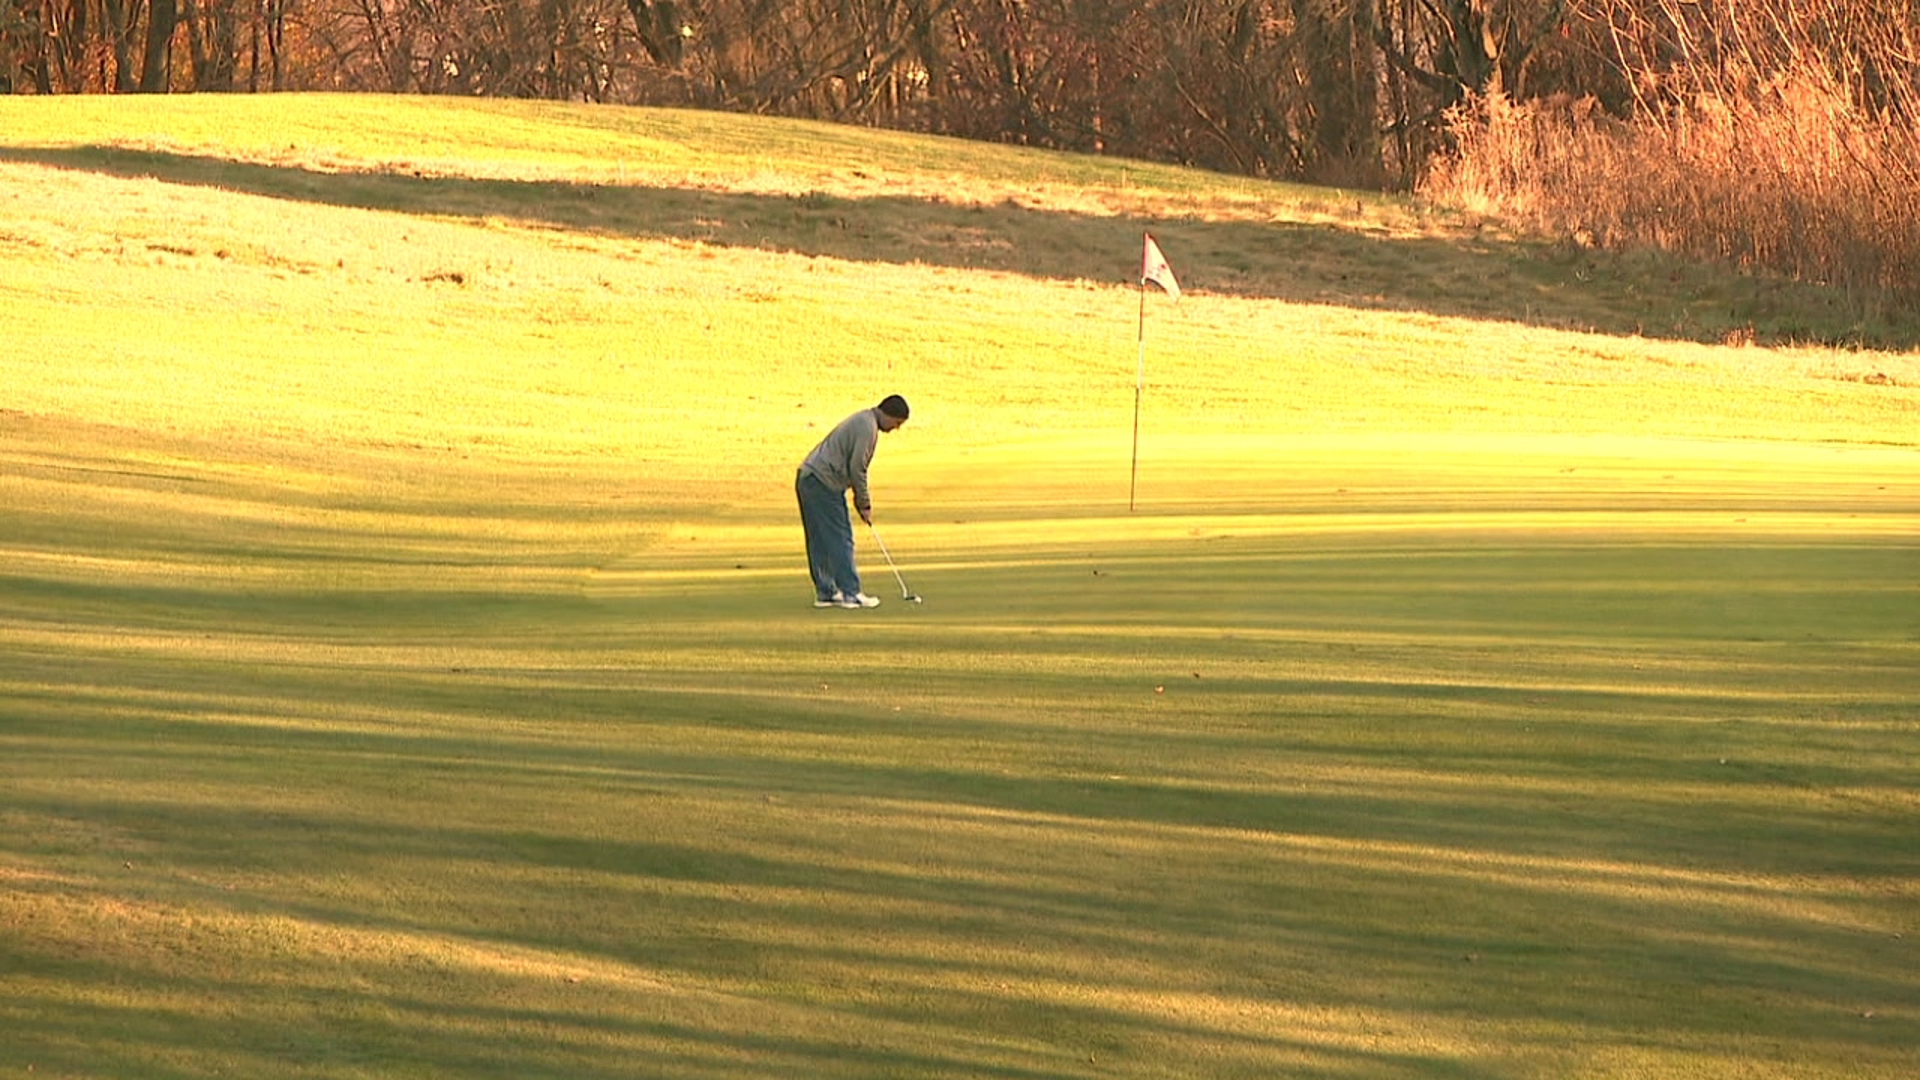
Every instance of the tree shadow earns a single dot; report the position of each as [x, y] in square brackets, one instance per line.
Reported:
[1465, 272]
[1479, 818]
[241, 780]
[1135, 926]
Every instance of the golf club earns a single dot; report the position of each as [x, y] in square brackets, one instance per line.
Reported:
[909, 597]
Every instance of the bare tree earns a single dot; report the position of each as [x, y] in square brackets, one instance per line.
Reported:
[156, 74]
[1340, 84]
[266, 28]
[1455, 48]
[120, 33]
[213, 41]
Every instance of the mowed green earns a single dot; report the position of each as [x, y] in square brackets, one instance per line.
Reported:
[407, 669]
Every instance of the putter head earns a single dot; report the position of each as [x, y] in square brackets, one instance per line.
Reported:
[913, 598]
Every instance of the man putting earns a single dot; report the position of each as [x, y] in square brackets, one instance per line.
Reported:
[838, 463]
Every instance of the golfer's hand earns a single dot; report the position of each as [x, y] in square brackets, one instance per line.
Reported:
[866, 516]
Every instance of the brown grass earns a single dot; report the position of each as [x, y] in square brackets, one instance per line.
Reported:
[1783, 178]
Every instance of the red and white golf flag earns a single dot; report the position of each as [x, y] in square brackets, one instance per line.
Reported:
[1154, 268]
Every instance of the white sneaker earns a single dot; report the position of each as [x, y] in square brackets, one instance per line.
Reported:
[831, 601]
[858, 600]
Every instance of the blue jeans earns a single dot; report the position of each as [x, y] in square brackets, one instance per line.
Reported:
[823, 514]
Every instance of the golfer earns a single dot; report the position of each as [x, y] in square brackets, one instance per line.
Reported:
[837, 464]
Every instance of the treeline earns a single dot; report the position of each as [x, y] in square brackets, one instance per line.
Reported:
[1346, 90]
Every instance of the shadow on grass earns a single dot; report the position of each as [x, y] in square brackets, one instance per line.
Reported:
[1396, 813]
[1468, 275]
[1431, 840]
[1392, 904]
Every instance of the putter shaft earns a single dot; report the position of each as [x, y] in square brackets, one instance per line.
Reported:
[905, 593]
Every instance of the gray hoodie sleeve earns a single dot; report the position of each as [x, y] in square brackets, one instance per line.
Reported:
[841, 459]
[862, 456]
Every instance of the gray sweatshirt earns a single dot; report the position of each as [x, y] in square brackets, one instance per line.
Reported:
[841, 459]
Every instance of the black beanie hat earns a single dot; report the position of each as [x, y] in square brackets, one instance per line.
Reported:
[895, 406]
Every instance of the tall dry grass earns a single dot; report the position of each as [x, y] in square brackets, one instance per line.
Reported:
[1786, 176]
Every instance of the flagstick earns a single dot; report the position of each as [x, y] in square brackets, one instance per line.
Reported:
[1139, 384]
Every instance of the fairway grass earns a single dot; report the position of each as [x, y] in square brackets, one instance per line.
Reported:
[406, 666]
